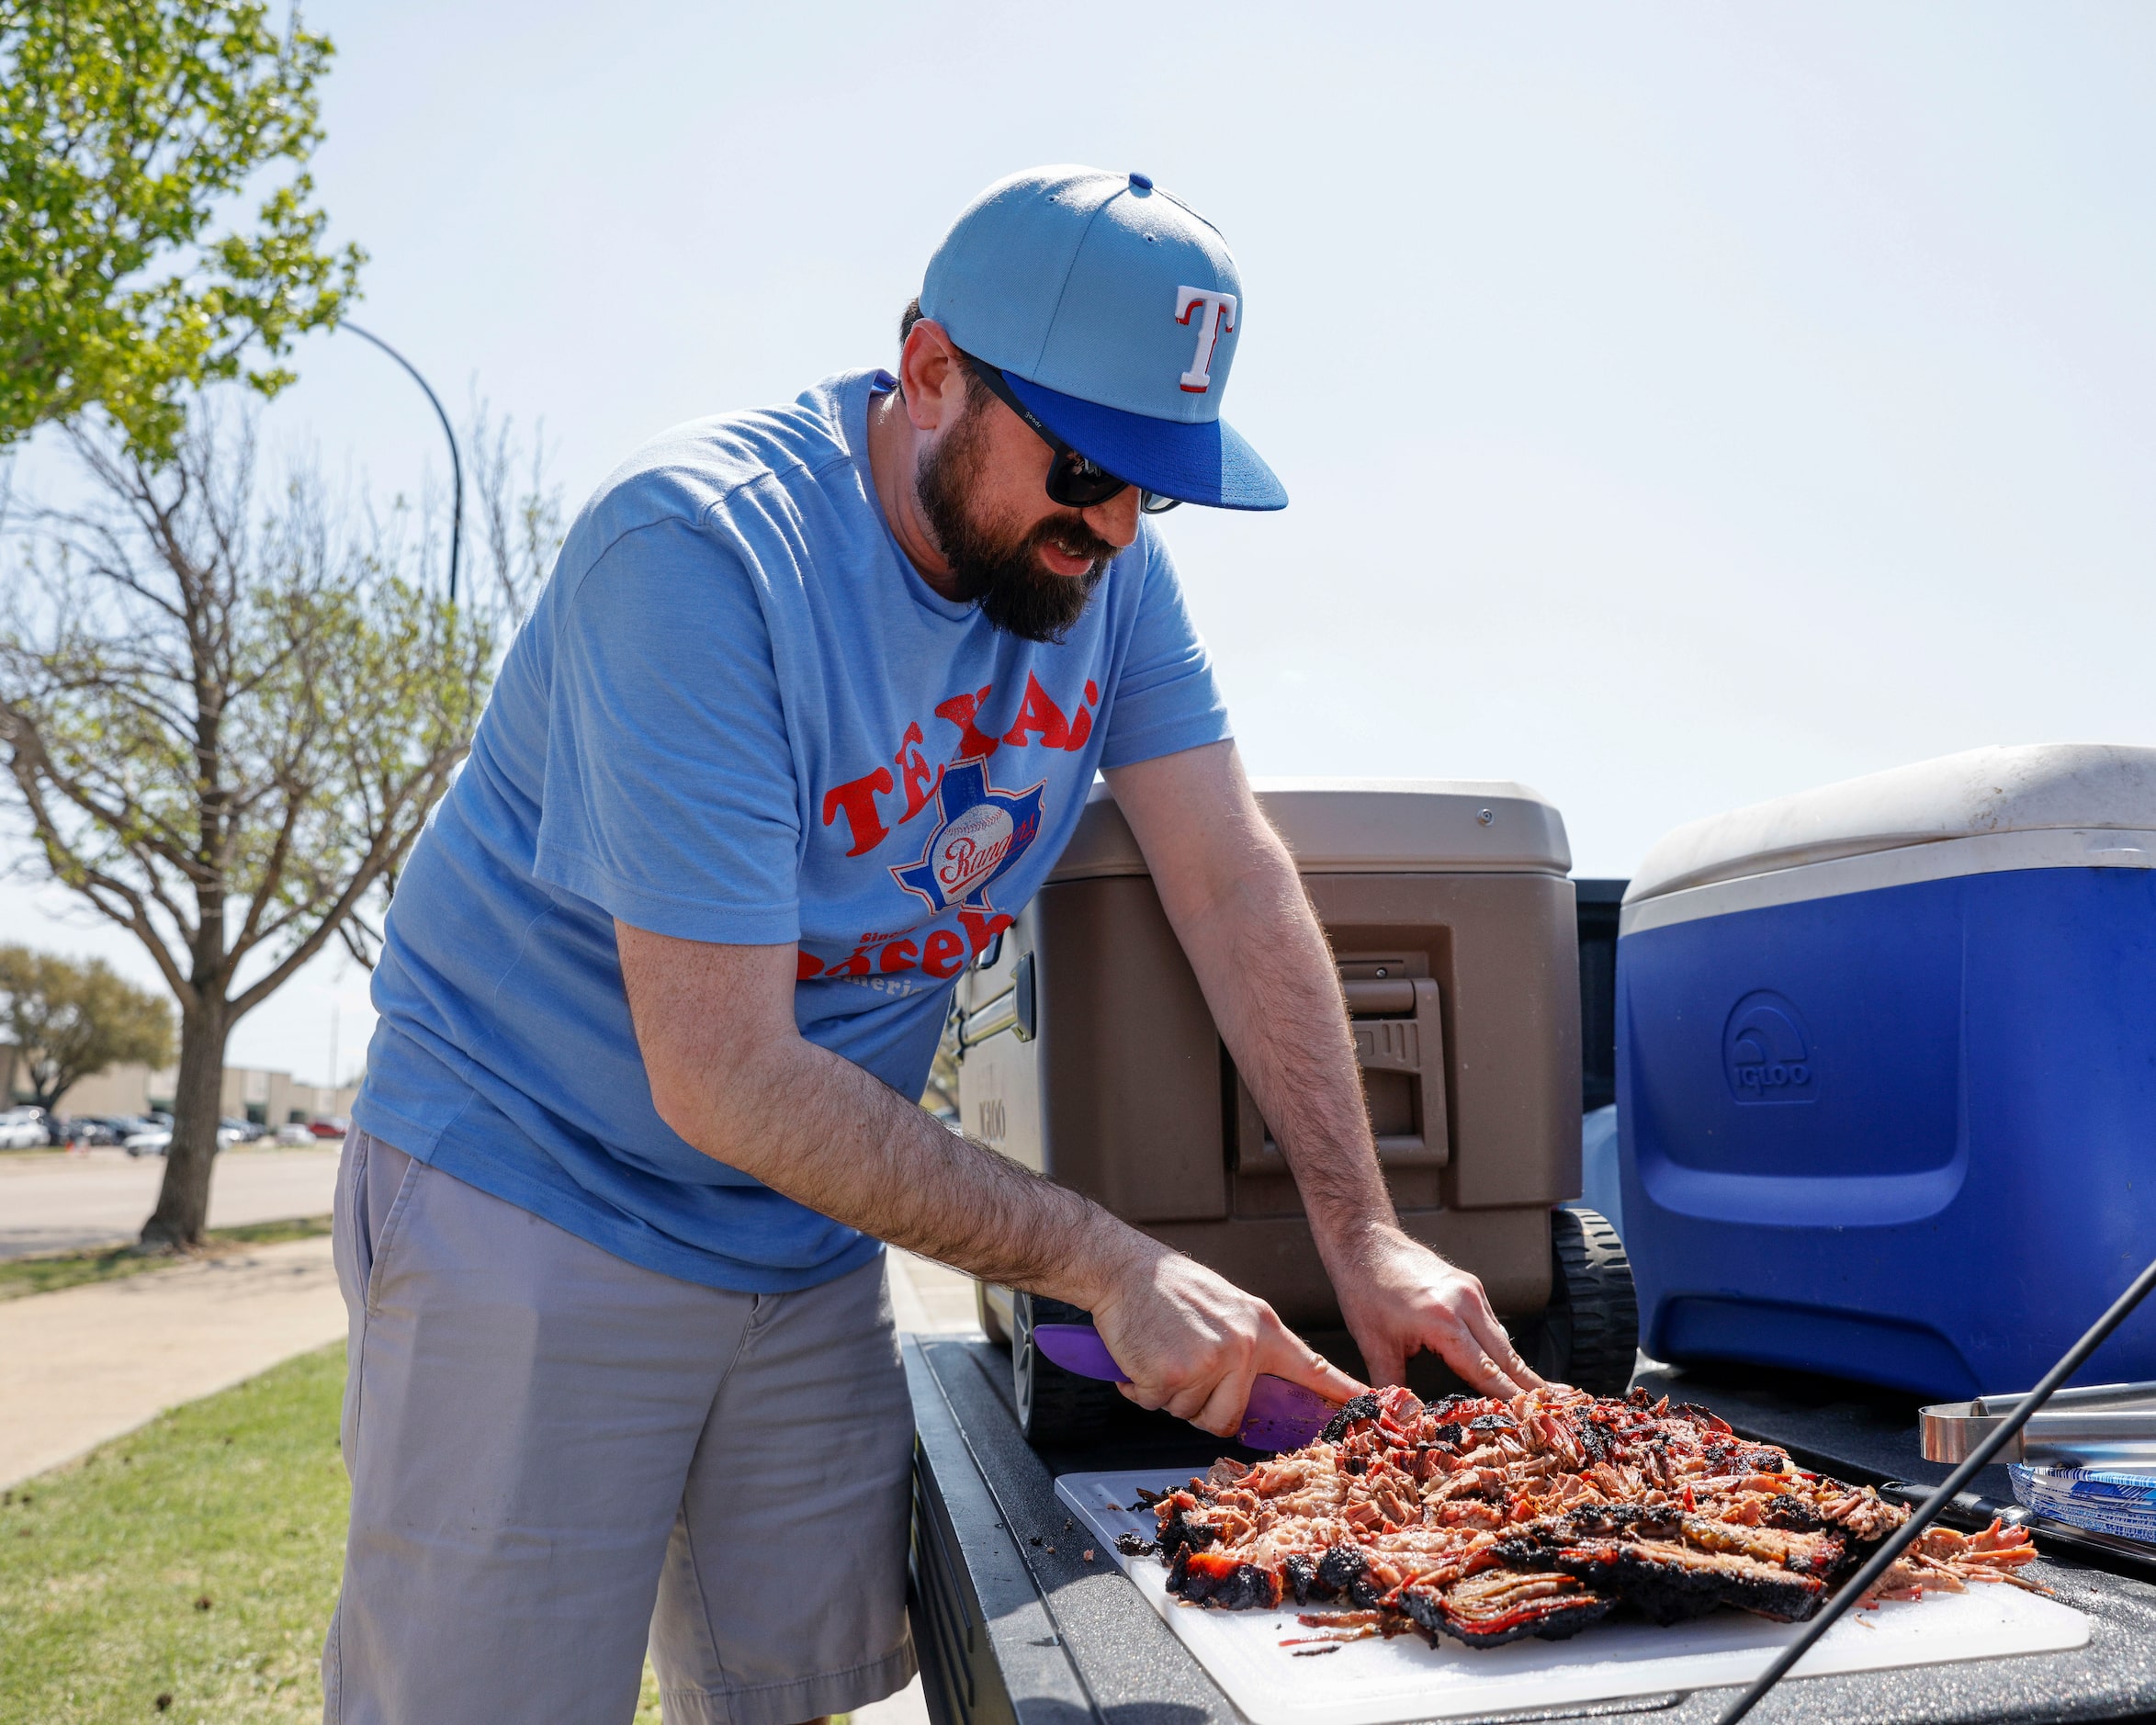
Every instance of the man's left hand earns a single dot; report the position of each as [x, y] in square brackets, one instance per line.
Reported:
[1399, 1297]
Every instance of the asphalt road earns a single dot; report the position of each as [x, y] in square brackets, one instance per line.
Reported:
[53, 1202]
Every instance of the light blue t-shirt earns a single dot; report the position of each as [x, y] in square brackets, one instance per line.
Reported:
[738, 714]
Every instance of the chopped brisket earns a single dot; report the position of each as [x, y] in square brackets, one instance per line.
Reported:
[1179, 1532]
[1488, 1521]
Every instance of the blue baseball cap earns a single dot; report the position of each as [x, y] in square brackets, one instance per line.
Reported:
[1113, 312]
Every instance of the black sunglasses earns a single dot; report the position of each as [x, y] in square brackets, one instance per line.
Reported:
[1073, 480]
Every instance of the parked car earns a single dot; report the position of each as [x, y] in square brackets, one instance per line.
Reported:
[326, 1128]
[231, 1132]
[96, 1129]
[292, 1133]
[23, 1127]
[153, 1137]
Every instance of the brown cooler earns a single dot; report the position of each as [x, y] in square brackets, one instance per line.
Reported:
[1087, 1052]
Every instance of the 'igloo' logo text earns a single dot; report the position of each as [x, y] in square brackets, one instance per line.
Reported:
[1765, 1052]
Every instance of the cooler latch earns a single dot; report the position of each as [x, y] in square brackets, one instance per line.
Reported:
[1397, 1028]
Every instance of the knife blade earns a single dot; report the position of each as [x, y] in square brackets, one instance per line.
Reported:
[1278, 1415]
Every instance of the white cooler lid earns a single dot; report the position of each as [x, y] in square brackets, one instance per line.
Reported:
[1364, 827]
[1959, 813]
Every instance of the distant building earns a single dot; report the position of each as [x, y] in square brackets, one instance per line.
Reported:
[270, 1099]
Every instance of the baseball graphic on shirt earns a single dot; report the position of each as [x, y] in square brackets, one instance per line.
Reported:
[983, 833]
[967, 850]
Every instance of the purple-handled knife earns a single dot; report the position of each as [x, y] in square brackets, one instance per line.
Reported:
[1280, 1414]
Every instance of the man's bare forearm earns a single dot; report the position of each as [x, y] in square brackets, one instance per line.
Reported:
[1268, 975]
[730, 1072]
[1238, 906]
[826, 1133]
[822, 1130]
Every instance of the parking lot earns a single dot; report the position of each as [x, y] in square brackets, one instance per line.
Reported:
[51, 1201]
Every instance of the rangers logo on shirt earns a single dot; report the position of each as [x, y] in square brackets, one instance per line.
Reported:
[982, 834]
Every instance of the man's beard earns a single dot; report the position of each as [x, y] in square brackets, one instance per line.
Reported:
[1003, 573]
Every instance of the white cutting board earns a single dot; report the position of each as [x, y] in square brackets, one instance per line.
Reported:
[1378, 1682]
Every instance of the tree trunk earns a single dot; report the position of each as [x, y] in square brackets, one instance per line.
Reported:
[183, 1201]
[48, 1098]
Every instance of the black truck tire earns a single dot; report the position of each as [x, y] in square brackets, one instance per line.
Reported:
[1590, 1336]
[1056, 1407]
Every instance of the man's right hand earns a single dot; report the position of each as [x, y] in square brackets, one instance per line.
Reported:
[1194, 1342]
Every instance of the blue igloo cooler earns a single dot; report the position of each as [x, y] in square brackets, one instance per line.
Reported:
[1887, 1072]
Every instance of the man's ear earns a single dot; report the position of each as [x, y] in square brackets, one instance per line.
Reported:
[931, 376]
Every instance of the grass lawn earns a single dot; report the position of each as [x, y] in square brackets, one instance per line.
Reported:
[21, 1276]
[188, 1571]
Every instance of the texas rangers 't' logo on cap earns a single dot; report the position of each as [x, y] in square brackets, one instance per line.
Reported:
[1113, 309]
[1216, 315]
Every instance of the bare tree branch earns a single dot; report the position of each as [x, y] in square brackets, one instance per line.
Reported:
[226, 712]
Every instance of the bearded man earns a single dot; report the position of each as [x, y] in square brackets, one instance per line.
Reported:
[808, 710]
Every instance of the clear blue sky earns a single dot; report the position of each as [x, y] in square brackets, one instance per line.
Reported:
[1682, 404]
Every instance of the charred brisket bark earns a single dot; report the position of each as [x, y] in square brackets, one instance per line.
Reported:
[1671, 1583]
[1213, 1578]
[1343, 1573]
[1361, 1407]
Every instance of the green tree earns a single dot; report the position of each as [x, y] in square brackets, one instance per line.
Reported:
[226, 719]
[71, 1020]
[125, 126]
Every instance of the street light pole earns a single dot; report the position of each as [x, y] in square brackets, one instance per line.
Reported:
[456, 457]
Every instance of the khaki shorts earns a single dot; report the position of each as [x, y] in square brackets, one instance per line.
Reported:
[558, 1458]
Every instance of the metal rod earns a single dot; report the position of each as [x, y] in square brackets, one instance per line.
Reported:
[456, 457]
[976, 1030]
[1882, 1559]
[2090, 1395]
